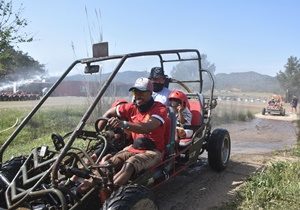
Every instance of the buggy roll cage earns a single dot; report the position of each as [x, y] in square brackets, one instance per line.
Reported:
[88, 62]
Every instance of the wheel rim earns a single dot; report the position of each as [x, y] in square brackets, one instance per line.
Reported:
[144, 204]
[225, 150]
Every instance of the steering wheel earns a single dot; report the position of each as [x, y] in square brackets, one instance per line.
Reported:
[101, 119]
[58, 141]
[117, 136]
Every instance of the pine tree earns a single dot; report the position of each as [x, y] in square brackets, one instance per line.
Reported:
[290, 77]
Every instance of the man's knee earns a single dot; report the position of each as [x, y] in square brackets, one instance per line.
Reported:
[106, 158]
[124, 174]
[128, 168]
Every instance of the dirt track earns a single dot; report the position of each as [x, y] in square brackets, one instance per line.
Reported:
[252, 146]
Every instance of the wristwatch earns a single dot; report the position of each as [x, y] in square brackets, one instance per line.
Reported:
[125, 124]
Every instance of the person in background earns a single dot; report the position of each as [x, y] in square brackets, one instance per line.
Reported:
[158, 79]
[294, 104]
[179, 102]
[271, 102]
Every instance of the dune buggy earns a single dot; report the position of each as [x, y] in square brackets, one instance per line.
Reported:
[41, 179]
[274, 107]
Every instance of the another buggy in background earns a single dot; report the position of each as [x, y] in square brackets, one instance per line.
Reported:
[275, 106]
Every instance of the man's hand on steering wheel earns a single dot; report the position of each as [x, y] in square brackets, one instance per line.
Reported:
[101, 124]
[115, 122]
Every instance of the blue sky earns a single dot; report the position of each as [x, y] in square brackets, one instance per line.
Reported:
[237, 36]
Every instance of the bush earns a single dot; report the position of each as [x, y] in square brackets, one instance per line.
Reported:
[224, 116]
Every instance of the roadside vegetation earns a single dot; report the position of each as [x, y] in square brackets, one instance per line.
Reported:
[8, 119]
[229, 117]
[275, 187]
[36, 132]
[229, 112]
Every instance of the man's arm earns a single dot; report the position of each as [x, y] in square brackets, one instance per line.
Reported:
[109, 113]
[146, 127]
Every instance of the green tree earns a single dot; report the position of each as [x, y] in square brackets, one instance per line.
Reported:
[290, 77]
[11, 25]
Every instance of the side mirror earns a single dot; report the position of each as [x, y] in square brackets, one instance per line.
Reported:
[90, 69]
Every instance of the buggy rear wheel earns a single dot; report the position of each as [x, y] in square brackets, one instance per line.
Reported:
[263, 112]
[219, 147]
[131, 197]
[8, 171]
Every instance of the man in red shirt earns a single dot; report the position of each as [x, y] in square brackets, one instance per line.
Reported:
[147, 121]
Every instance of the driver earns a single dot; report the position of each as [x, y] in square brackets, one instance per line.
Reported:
[147, 121]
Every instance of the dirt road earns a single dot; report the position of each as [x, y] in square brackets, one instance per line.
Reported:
[252, 146]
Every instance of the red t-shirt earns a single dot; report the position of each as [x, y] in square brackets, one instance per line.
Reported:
[131, 113]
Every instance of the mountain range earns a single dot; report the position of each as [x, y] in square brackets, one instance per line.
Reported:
[242, 81]
[247, 81]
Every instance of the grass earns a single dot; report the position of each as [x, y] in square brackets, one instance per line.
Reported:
[8, 119]
[229, 112]
[277, 187]
[38, 130]
[60, 116]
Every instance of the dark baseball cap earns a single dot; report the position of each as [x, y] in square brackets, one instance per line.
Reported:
[141, 144]
[157, 72]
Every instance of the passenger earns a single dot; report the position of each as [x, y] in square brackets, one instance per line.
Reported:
[179, 102]
[272, 102]
[146, 120]
[158, 79]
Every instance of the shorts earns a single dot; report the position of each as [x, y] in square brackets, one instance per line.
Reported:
[140, 161]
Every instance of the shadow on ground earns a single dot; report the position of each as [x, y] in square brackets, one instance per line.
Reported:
[202, 188]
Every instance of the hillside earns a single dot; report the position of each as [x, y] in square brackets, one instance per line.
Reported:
[247, 81]
[242, 81]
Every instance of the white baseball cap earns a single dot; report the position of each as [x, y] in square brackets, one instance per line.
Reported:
[142, 84]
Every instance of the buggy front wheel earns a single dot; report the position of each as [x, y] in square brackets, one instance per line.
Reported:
[131, 197]
[219, 147]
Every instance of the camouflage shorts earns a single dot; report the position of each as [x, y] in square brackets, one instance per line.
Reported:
[140, 161]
